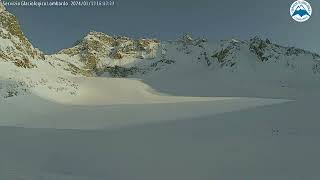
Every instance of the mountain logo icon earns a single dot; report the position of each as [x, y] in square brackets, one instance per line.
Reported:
[300, 11]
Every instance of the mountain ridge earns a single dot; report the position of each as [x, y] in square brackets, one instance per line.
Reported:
[99, 54]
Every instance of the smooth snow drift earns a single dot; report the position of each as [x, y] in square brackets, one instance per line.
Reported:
[109, 103]
[111, 91]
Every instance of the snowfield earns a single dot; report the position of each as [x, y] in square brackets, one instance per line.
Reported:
[278, 141]
[110, 103]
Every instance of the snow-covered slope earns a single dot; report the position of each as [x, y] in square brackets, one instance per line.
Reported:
[255, 68]
[23, 67]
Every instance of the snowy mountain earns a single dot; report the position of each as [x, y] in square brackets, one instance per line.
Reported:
[121, 56]
[97, 52]
[26, 69]
[15, 46]
[249, 67]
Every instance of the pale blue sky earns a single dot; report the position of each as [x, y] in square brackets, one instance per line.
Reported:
[52, 29]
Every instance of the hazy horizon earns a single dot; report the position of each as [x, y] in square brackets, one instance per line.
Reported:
[52, 29]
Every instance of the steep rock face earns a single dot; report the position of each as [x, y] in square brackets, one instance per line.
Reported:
[97, 52]
[14, 46]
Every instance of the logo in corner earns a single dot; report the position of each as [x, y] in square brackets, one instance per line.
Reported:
[300, 11]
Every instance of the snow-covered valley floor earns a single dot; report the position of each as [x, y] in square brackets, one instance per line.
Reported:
[157, 137]
[235, 145]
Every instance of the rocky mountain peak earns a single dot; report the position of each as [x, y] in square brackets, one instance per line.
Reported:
[186, 39]
[99, 36]
[98, 51]
[14, 46]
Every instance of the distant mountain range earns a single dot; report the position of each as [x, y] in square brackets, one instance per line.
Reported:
[24, 67]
